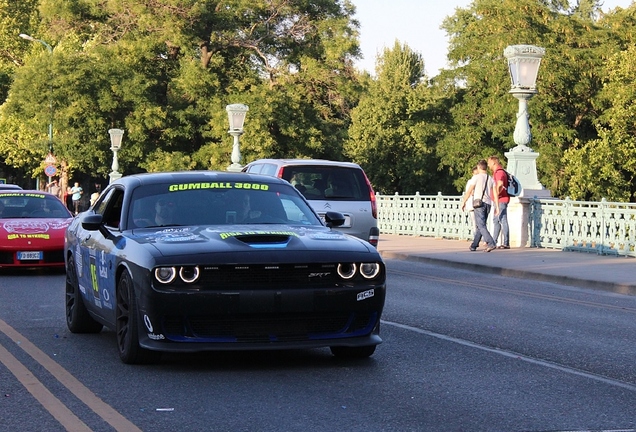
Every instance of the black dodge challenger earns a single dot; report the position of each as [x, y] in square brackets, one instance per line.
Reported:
[201, 260]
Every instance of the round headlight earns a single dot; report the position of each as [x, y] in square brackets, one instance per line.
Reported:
[189, 274]
[347, 271]
[165, 275]
[369, 270]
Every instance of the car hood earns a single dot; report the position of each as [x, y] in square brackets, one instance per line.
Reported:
[174, 241]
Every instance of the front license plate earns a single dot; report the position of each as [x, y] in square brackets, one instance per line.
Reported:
[24, 256]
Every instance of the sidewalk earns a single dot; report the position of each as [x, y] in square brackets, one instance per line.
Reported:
[610, 273]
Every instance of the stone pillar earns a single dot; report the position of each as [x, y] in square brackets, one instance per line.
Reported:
[522, 164]
[518, 221]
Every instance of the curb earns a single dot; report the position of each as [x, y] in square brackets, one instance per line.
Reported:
[618, 288]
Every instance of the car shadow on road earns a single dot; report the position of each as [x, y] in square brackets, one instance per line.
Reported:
[104, 346]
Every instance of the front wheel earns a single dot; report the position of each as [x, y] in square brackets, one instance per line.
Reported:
[78, 320]
[353, 352]
[127, 325]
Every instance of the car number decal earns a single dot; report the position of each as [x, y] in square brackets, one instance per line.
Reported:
[94, 283]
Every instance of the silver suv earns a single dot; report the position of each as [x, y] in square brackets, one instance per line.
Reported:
[329, 186]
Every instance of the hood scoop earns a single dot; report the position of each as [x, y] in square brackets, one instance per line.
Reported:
[264, 240]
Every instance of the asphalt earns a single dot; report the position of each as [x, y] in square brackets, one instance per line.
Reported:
[586, 270]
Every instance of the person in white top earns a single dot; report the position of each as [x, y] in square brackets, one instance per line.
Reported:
[480, 189]
[468, 202]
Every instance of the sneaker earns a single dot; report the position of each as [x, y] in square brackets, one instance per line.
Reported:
[490, 248]
[503, 247]
[472, 249]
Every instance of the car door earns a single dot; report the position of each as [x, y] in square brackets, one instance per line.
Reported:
[98, 256]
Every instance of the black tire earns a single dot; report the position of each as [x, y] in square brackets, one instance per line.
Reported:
[127, 325]
[78, 320]
[353, 352]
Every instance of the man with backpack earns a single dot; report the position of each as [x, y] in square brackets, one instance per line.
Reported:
[501, 199]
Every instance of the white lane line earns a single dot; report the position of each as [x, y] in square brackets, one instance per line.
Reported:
[515, 355]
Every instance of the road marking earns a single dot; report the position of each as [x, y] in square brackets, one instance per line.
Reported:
[53, 405]
[83, 393]
[514, 355]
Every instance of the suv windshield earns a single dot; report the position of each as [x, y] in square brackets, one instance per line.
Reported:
[317, 182]
[226, 204]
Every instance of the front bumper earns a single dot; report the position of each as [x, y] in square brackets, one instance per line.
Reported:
[262, 319]
[50, 258]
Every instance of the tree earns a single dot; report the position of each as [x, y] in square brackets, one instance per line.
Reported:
[606, 167]
[165, 70]
[14, 17]
[569, 79]
[395, 125]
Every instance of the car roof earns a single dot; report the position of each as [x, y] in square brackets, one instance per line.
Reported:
[194, 176]
[306, 162]
[7, 186]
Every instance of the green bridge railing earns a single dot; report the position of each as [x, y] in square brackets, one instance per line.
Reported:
[607, 228]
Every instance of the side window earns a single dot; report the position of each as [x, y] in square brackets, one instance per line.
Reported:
[110, 208]
[100, 207]
[112, 216]
[255, 169]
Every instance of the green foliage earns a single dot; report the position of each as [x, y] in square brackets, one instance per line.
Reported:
[395, 126]
[15, 17]
[161, 161]
[606, 167]
[164, 70]
[570, 78]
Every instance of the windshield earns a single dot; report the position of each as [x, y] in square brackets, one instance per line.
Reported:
[222, 203]
[31, 205]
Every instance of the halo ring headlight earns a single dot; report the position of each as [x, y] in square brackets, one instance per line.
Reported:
[189, 274]
[369, 270]
[165, 275]
[346, 270]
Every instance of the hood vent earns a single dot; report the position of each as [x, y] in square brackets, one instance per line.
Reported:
[264, 240]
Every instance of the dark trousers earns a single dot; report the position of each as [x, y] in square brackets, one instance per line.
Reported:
[481, 218]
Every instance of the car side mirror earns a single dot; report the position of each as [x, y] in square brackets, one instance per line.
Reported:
[334, 219]
[92, 222]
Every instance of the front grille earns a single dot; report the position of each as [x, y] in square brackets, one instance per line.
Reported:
[286, 276]
[261, 328]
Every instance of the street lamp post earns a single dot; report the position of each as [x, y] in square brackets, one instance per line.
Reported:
[236, 115]
[115, 144]
[50, 50]
[523, 65]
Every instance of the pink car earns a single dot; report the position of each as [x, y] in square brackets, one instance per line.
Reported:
[32, 228]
